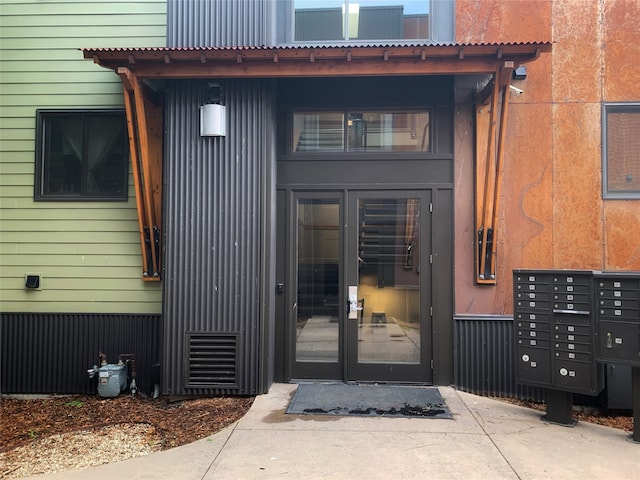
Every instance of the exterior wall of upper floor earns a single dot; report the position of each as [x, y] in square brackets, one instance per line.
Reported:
[197, 23]
[554, 214]
[87, 253]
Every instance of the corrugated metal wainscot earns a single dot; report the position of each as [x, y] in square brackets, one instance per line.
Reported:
[484, 357]
[50, 353]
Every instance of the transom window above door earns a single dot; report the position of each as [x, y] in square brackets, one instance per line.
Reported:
[362, 20]
[372, 131]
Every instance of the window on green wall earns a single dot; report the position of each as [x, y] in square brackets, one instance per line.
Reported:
[361, 20]
[81, 155]
[621, 150]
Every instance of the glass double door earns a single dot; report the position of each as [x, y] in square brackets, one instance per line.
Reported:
[360, 265]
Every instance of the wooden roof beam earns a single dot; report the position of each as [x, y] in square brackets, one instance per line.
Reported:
[126, 77]
[313, 68]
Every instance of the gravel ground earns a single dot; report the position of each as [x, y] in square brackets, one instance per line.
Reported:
[86, 448]
[61, 433]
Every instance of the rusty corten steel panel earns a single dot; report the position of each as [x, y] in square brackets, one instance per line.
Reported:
[577, 201]
[527, 207]
[621, 50]
[497, 20]
[622, 231]
[576, 53]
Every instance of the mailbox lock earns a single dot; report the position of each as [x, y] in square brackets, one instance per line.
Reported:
[609, 340]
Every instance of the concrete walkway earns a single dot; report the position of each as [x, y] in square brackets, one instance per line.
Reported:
[487, 439]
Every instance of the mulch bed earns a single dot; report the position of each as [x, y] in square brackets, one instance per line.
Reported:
[179, 422]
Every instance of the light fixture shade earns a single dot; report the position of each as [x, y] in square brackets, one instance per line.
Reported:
[213, 120]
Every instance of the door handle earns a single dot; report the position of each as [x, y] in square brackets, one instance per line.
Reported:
[352, 303]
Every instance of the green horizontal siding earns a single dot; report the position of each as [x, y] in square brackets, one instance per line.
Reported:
[87, 307]
[68, 216]
[50, 54]
[86, 273]
[67, 225]
[11, 35]
[87, 19]
[74, 43]
[75, 284]
[46, 259]
[35, 248]
[13, 123]
[48, 65]
[117, 8]
[55, 101]
[87, 252]
[84, 88]
[97, 77]
[9, 168]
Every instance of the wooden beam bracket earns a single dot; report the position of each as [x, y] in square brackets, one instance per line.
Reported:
[146, 168]
[490, 142]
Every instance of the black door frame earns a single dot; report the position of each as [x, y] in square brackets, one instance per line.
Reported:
[421, 372]
[347, 369]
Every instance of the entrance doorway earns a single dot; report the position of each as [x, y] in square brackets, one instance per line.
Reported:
[364, 216]
[360, 306]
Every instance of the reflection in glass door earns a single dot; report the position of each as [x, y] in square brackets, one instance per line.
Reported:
[359, 313]
[388, 282]
[317, 329]
[386, 334]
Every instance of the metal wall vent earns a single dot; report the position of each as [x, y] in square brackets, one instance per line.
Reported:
[212, 360]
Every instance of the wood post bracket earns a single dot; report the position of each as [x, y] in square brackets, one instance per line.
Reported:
[144, 125]
[491, 106]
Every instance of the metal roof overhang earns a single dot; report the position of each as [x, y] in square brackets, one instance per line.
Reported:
[135, 65]
[316, 61]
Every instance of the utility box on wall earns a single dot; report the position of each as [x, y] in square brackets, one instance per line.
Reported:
[555, 331]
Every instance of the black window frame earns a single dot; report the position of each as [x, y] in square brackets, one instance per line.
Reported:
[607, 108]
[441, 11]
[41, 193]
[345, 153]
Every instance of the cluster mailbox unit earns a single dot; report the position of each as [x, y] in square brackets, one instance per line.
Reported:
[618, 328]
[567, 324]
[555, 337]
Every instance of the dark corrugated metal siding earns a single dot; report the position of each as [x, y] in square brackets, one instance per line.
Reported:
[213, 23]
[215, 196]
[485, 358]
[50, 353]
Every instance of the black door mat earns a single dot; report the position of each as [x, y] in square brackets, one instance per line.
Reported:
[368, 400]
